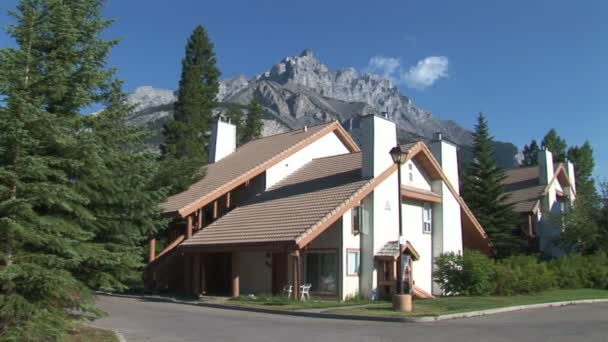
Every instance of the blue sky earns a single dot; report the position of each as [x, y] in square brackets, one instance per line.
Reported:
[528, 65]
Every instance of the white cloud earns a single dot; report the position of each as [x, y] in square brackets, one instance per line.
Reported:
[426, 72]
[420, 76]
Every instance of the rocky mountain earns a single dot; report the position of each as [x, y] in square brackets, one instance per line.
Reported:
[302, 91]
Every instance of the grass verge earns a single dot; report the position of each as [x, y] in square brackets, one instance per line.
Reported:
[450, 305]
[282, 303]
[86, 333]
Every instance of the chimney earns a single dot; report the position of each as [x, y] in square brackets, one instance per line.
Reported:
[571, 176]
[223, 140]
[378, 137]
[545, 166]
[446, 154]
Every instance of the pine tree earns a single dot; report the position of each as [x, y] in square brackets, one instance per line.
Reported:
[484, 194]
[58, 176]
[235, 116]
[530, 153]
[557, 145]
[186, 136]
[582, 158]
[253, 123]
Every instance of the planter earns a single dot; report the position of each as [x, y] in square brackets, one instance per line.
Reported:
[402, 302]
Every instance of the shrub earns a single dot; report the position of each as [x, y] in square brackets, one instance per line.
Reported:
[522, 275]
[576, 271]
[470, 274]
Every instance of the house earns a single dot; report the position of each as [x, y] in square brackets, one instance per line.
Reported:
[311, 206]
[539, 194]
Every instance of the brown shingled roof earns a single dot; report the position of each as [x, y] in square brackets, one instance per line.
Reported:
[247, 162]
[289, 209]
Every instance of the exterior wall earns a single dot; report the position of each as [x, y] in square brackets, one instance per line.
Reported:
[329, 145]
[379, 136]
[223, 140]
[350, 283]
[422, 242]
[419, 179]
[255, 273]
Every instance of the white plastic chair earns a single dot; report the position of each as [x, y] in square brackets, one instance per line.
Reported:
[288, 289]
[305, 291]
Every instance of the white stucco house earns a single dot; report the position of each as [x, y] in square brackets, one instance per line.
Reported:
[311, 206]
[539, 194]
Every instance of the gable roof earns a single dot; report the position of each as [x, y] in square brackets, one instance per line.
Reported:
[524, 190]
[286, 212]
[246, 162]
[313, 198]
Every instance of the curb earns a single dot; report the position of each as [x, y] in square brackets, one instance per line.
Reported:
[423, 319]
[120, 337]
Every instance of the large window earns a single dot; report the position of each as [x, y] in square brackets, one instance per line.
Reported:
[357, 219]
[427, 218]
[352, 262]
[321, 271]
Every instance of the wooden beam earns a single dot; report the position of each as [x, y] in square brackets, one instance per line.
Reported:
[228, 200]
[215, 210]
[151, 250]
[295, 274]
[200, 218]
[236, 291]
[189, 227]
[420, 196]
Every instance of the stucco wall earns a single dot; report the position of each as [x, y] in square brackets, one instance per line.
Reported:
[350, 284]
[422, 242]
[255, 273]
[328, 145]
[419, 179]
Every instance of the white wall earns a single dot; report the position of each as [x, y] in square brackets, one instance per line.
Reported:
[328, 145]
[378, 137]
[255, 272]
[422, 242]
[350, 284]
[419, 179]
[223, 140]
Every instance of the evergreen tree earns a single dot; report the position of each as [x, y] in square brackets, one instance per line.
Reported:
[484, 194]
[530, 153]
[557, 145]
[61, 172]
[253, 123]
[235, 116]
[603, 217]
[581, 232]
[582, 158]
[186, 136]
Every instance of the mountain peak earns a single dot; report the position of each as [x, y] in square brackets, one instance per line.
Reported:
[307, 53]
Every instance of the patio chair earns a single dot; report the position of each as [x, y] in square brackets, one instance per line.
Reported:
[288, 289]
[305, 291]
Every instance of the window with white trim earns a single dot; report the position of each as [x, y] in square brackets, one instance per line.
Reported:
[352, 262]
[427, 218]
[411, 172]
[357, 219]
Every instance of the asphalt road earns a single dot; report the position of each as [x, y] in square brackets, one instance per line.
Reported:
[140, 320]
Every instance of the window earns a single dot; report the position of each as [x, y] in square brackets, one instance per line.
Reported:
[427, 219]
[357, 215]
[352, 262]
[411, 172]
[321, 270]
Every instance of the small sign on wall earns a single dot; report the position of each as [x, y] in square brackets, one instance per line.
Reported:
[387, 206]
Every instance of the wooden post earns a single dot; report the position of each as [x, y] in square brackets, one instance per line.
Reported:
[200, 219]
[203, 274]
[228, 200]
[151, 250]
[215, 209]
[295, 275]
[235, 275]
[189, 227]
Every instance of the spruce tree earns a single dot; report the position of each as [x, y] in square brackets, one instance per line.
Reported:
[187, 135]
[582, 158]
[253, 123]
[484, 194]
[60, 179]
[556, 144]
[530, 153]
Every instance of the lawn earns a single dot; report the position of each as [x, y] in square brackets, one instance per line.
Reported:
[449, 305]
[281, 302]
[85, 333]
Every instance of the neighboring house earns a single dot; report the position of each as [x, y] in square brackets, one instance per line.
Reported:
[539, 194]
[311, 206]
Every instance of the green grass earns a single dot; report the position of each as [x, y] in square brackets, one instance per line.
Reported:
[449, 305]
[85, 333]
[281, 302]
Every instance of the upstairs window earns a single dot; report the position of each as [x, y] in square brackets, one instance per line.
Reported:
[411, 172]
[357, 216]
[427, 219]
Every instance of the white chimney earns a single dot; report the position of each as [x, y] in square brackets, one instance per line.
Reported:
[545, 166]
[223, 140]
[571, 178]
[378, 137]
[446, 154]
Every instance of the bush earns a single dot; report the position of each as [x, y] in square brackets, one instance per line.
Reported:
[576, 271]
[522, 275]
[470, 274]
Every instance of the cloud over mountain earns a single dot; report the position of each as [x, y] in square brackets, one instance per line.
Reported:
[420, 76]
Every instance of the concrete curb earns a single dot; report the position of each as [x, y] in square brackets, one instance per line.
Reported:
[120, 337]
[423, 319]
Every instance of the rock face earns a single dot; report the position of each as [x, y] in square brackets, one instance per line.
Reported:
[302, 91]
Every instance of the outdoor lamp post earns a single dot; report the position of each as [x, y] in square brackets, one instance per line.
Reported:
[401, 301]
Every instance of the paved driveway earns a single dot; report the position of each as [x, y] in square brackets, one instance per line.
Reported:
[140, 320]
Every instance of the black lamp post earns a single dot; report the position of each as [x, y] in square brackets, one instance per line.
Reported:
[399, 158]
